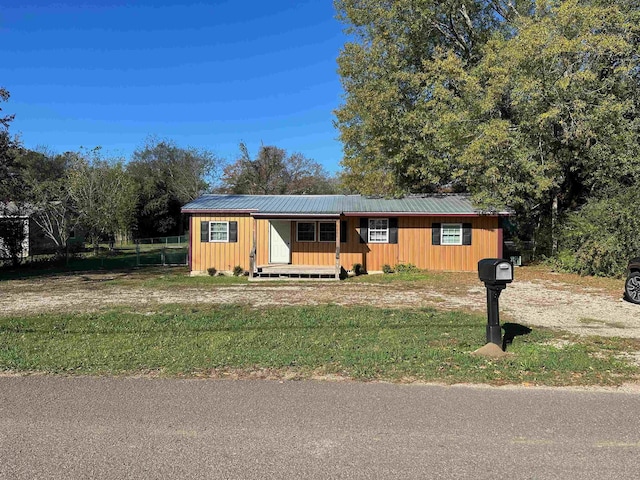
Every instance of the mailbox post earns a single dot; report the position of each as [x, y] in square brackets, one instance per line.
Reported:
[495, 273]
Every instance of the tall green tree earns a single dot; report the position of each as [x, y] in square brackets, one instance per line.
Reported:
[47, 177]
[168, 176]
[9, 178]
[13, 230]
[274, 172]
[104, 195]
[540, 114]
[392, 94]
[41, 165]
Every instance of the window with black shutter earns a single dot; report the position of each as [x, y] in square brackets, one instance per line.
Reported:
[219, 232]
[451, 234]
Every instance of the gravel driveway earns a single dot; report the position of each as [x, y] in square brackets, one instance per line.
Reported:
[550, 304]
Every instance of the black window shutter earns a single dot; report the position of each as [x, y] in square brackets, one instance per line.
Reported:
[233, 232]
[435, 234]
[204, 231]
[466, 234]
[343, 231]
[393, 230]
[364, 230]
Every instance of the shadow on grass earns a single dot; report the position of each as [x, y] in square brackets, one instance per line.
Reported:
[116, 263]
[511, 331]
[26, 273]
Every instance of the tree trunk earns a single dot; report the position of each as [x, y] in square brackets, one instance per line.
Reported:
[536, 234]
[554, 225]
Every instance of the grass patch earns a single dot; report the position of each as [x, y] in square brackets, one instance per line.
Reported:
[590, 321]
[593, 322]
[445, 282]
[160, 278]
[176, 277]
[445, 278]
[362, 343]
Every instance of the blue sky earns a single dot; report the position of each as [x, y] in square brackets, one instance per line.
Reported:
[208, 74]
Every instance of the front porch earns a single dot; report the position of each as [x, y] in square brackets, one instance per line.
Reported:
[297, 272]
[303, 247]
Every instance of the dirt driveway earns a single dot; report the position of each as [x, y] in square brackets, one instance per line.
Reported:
[557, 304]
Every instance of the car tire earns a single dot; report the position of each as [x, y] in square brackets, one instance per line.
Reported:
[632, 287]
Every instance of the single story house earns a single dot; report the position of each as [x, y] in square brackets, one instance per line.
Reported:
[318, 235]
[35, 242]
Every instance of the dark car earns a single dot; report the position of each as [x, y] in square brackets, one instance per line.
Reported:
[632, 285]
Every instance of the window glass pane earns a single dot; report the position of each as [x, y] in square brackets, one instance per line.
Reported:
[378, 230]
[451, 234]
[327, 232]
[306, 231]
[219, 231]
[378, 223]
[378, 236]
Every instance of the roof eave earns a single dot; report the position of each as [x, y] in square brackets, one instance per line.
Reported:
[416, 214]
[218, 211]
[298, 215]
[257, 214]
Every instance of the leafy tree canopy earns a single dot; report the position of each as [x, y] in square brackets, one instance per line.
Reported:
[274, 172]
[530, 104]
[103, 194]
[168, 176]
[9, 178]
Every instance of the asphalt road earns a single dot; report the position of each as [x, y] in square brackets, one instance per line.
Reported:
[102, 428]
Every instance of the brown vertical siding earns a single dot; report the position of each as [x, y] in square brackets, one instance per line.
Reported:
[222, 256]
[370, 255]
[414, 246]
[415, 243]
[312, 253]
[262, 255]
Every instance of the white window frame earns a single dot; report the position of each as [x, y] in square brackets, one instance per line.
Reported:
[335, 232]
[450, 225]
[211, 224]
[315, 229]
[386, 230]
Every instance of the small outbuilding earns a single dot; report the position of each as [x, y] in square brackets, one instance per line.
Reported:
[317, 236]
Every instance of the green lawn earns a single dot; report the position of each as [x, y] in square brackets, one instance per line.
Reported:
[361, 343]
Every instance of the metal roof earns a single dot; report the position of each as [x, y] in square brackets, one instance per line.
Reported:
[334, 205]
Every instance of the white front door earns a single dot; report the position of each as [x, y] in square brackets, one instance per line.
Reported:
[279, 241]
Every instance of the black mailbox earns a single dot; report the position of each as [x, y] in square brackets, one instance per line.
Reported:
[495, 271]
